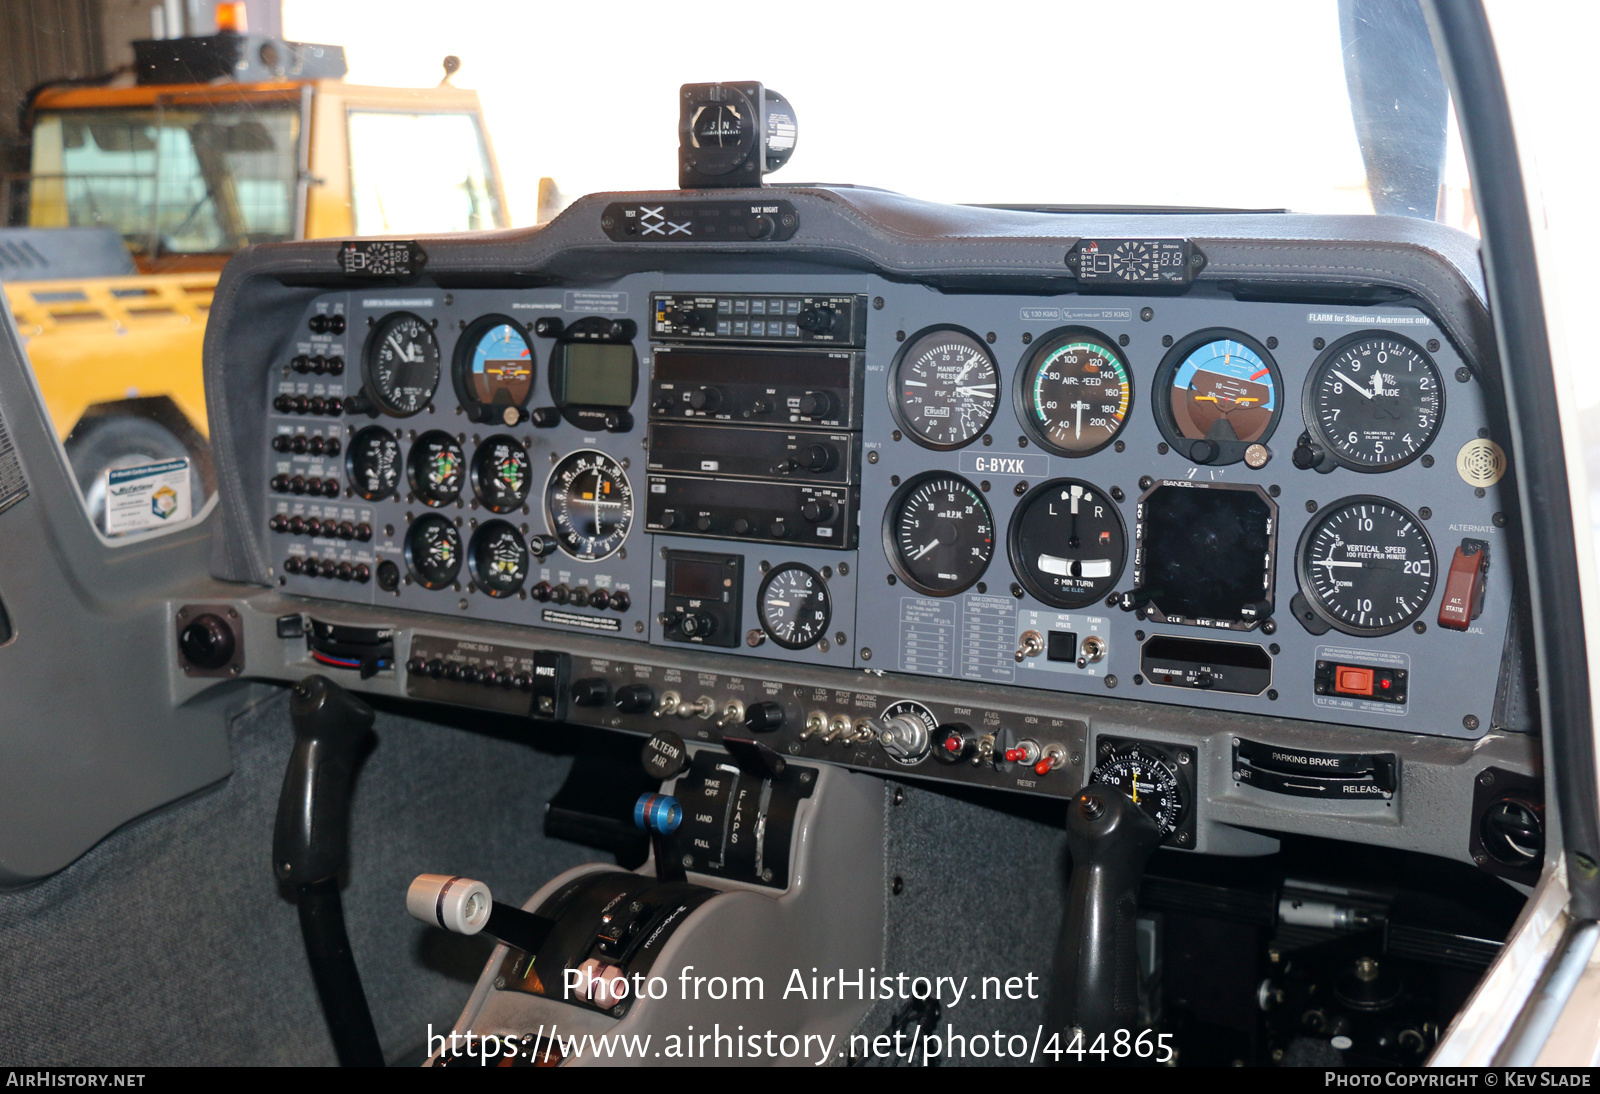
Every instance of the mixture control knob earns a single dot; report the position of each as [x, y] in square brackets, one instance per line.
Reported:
[635, 699]
[707, 399]
[696, 625]
[817, 319]
[816, 404]
[763, 717]
[819, 510]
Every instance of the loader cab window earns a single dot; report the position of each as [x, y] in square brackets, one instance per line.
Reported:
[170, 180]
[420, 173]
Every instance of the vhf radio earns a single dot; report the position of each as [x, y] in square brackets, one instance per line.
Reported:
[759, 441]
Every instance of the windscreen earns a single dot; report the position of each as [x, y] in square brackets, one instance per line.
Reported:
[1232, 104]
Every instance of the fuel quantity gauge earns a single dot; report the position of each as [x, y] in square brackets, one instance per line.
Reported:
[499, 558]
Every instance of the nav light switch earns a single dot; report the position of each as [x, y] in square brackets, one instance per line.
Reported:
[1464, 585]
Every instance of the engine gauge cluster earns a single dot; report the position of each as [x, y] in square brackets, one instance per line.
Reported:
[437, 468]
[499, 557]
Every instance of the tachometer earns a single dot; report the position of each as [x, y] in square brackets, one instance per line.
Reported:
[437, 468]
[499, 558]
[795, 609]
[373, 463]
[939, 534]
[943, 388]
[1074, 392]
[1068, 543]
[1216, 393]
[1366, 566]
[589, 503]
[400, 368]
[501, 474]
[1374, 401]
[433, 549]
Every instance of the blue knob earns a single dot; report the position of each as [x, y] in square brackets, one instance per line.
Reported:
[657, 813]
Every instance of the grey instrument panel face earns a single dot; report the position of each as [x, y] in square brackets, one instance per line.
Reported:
[1141, 507]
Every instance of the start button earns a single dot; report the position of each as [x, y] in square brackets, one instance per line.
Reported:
[1349, 680]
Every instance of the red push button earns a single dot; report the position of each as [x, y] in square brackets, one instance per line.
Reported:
[1349, 680]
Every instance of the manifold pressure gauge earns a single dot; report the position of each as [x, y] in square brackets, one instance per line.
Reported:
[1150, 779]
[944, 388]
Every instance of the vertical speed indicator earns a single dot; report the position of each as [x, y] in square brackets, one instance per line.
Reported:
[1366, 566]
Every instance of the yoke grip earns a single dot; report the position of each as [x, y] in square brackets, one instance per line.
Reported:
[1097, 964]
[311, 837]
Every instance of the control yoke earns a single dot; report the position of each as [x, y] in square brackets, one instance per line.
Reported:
[1096, 985]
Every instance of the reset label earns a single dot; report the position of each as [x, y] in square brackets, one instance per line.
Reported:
[149, 496]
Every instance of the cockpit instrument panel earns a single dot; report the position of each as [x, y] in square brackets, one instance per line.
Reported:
[1138, 497]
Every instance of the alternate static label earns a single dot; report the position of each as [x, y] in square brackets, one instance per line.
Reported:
[153, 495]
